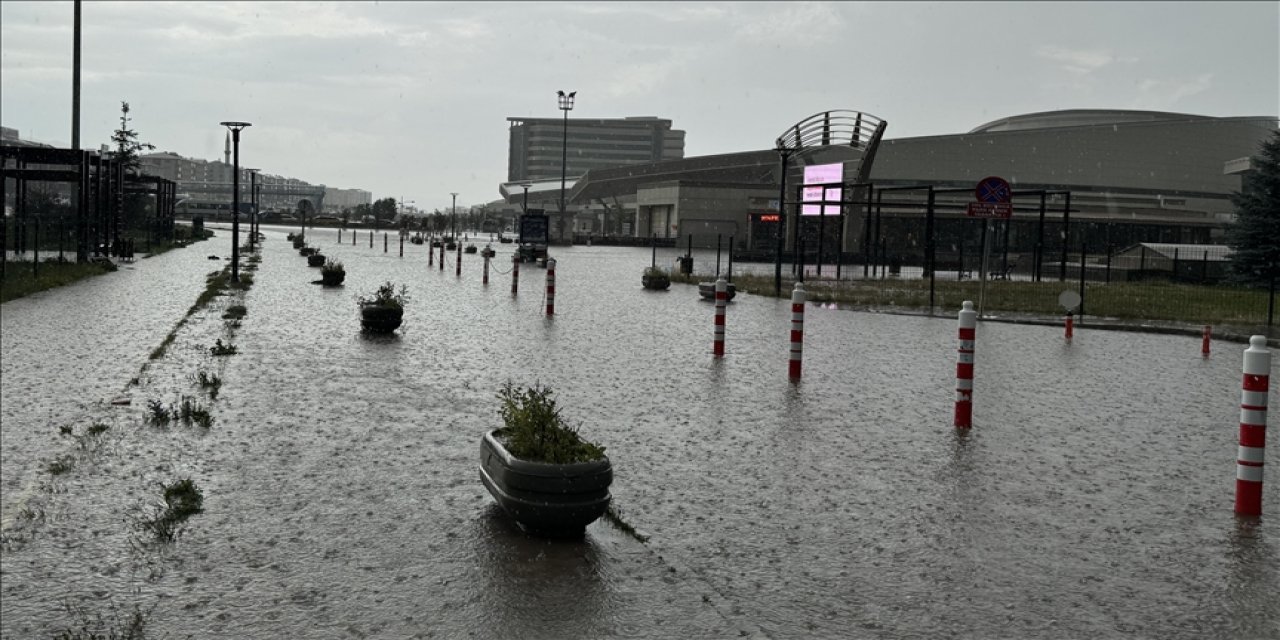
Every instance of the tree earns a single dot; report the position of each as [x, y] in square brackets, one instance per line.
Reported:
[1255, 234]
[127, 148]
[127, 145]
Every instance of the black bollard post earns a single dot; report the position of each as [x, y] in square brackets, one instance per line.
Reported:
[402, 246]
[35, 246]
[717, 256]
[339, 235]
[384, 241]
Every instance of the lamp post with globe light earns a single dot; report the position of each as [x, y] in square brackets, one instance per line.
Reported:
[235, 128]
[566, 105]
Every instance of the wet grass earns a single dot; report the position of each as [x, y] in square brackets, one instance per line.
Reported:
[235, 312]
[62, 464]
[220, 349]
[1195, 304]
[210, 382]
[189, 412]
[614, 517]
[97, 627]
[182, 499]
[157, 414]
[19, 281]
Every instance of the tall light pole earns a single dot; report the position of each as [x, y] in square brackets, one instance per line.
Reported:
[253, 205]
[526, 186]
[454, 215]
[235, 128]
[566, 105]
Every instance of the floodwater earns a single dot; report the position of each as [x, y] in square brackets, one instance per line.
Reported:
[1093, 497]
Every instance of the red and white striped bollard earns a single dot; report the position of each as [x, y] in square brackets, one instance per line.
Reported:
[551, 286]
[442, 256]
[964, 365]
[1070, 325]
[459, 269]
[797, 331]
[485, 280]
[431, 254]
[722, 303]
[1253, 427]
[1204, 341]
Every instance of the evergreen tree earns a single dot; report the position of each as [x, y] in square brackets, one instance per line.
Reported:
[127, 145]
[1255, 235]
[127, 148]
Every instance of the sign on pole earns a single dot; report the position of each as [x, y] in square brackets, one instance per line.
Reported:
[994, 199]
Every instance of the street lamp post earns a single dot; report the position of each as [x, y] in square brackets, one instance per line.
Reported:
[566, 105]
[253, 205]
[454, 216]
[235, 128]
[526, 186]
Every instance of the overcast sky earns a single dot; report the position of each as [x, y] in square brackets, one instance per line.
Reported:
[411, 99]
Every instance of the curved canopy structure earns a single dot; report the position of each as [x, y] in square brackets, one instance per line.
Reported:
[857, 133]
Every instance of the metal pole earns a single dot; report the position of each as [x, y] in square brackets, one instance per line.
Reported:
[75, 80]
[986, 254]
[1039, 249]
[782, 224]
[1084, 246]
[564, 166]
[717, 256]
[1066, 237]
[929, 248]
[235, 208]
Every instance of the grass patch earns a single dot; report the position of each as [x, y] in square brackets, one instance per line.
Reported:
[86, 627]
[60, 465]
[18, 280]
[614, 517]
[235, 312]
[157, 414]
[191, 412]
[210, 382]
[1194, 304]
[219, 349]
[182, 499]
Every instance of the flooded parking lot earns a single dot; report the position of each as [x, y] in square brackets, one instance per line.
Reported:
[1092, 498]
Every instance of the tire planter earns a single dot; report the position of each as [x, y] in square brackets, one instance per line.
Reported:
[333, 278]
[377, 319]
[307, 251]
[657, 283]
[708, 290]
[547, 499]
[315, 260]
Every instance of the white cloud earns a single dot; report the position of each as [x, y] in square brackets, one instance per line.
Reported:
[1081, 61]
[1167, 93]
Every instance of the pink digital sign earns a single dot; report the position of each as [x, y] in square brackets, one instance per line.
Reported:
[824, 173]
[821, 174]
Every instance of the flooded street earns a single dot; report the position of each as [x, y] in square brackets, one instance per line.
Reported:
[1093, 497]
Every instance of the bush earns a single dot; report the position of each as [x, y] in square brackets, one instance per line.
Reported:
[534, 430]
[386, 296]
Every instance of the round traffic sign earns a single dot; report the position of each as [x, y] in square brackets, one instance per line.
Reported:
[1069, 300]
[993, 189]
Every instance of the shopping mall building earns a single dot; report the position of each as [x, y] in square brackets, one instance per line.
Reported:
[1121, 177]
